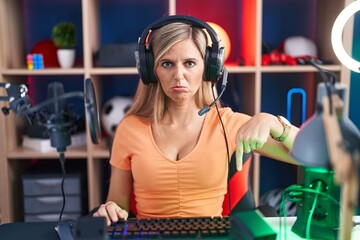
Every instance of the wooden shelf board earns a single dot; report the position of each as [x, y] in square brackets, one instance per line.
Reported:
[45, 71]
[114, 71]
[297, 68]
[101, 150]
[25, 153]
[133, 70]
[240, 69]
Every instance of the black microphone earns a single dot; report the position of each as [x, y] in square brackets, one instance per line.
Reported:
[59, 122]
[54, 114]
[223, 87]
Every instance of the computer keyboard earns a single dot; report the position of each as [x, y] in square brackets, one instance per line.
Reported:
[170, 228]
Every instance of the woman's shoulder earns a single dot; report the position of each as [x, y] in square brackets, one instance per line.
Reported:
[133, 121]
[228, 113]
[231, 120]
[131, 125]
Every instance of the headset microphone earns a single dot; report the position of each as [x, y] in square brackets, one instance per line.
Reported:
[223, 87]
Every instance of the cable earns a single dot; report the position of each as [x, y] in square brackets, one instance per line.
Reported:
[282, 209]
[227, 150]
[294, 193]
[309, 190]
[282, 213]
[62, 162]
[312, 210]
[328, 83]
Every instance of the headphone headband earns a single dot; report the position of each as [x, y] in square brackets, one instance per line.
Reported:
[214, 57]
[184, 19]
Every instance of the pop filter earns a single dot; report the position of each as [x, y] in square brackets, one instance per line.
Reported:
[91, 109]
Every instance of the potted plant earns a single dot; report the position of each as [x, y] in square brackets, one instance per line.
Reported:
[64, 38]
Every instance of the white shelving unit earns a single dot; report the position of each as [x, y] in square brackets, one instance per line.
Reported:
[14, 159]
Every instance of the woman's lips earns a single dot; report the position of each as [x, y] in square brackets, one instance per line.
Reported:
[179, 89]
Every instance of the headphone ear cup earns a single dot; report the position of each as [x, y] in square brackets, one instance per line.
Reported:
[207, 64]
[214, 64]
[141, 65]
[150, 66]
[145, 65]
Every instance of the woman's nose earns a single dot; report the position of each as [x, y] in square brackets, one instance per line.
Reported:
[178, 72]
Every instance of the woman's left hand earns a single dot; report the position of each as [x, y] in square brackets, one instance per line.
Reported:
[252, 135]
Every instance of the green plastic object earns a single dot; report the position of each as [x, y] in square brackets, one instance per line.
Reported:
[325, 220]
[250, 225]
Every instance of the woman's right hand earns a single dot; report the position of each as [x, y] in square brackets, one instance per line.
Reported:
[112, 212]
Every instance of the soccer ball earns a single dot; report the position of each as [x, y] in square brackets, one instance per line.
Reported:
[113, 111]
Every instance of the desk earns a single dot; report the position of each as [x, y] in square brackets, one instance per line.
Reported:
[45, 230]
[275, 224]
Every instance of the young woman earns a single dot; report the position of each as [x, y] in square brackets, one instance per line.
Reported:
[173, 160]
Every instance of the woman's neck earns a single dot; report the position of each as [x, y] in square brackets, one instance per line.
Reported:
[181, 114]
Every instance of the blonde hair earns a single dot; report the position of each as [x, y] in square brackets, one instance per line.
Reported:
[150, 101]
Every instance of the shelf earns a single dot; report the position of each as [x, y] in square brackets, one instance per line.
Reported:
[101, 150]
[98, 151]
[240, 69]
[25, 153]
[133, 70]
[46, 71]
[295, 69]
[114, 71]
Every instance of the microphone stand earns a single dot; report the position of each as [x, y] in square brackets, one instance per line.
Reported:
[58, 122]
[344, 164]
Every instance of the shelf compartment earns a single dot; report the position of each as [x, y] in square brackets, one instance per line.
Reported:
[132, 16]
[310, 19]
[276, 87]
[242, 46]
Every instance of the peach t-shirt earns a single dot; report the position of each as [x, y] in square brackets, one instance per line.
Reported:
[192, 186]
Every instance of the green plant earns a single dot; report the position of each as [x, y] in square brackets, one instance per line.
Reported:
[64, 35]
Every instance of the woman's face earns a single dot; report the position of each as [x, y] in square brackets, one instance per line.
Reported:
[180, 71]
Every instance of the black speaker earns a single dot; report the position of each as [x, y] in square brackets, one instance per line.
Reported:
[214, 57]
[325, 219]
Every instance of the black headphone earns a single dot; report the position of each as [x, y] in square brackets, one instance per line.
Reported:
[214, 56]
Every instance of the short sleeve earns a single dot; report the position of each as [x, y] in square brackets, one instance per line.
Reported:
[120, 153]
[233, 121]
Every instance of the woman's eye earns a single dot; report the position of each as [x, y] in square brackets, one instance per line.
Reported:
[166, 64]
[190, 63]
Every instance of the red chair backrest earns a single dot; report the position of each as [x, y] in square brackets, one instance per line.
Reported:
[241, 197]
